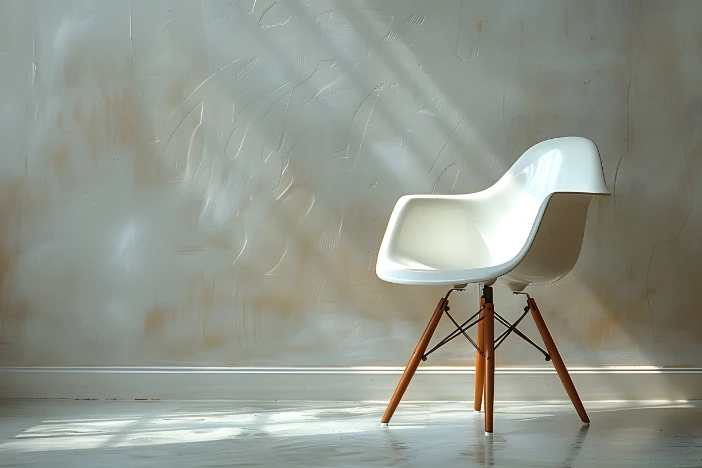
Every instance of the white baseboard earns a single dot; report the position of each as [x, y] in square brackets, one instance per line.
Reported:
[344, 383]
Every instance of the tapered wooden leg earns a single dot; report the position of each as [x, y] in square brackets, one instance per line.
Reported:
[557, 361]
[480, 361]
[489, 364]
[414, 360]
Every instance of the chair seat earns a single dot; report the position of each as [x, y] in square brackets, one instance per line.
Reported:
[435, 240]
[403, 274]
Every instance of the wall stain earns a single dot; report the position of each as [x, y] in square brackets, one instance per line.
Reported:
[17, 205]
[205, 294]
[157, 318]
[60, 161]
[176, 93]
[13, 197]
[78, 113]
[71, 71]
[16, 312]
[221, 240]
[598, 332]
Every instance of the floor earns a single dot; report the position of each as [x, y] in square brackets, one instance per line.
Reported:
[226, 433]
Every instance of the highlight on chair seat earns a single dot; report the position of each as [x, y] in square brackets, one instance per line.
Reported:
[525, 229]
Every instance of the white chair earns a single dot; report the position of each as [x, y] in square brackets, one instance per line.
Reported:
[526, 229]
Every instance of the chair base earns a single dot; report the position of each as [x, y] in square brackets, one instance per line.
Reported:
[485, 348]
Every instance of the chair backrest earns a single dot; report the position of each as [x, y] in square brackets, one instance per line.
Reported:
[545, 242]
[559, 165]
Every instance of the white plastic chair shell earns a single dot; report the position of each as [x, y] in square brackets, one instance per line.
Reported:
[527, 228]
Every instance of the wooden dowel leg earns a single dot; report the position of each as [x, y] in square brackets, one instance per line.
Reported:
[480, 361]
[414, 360]
[557, 361]
[489, 365]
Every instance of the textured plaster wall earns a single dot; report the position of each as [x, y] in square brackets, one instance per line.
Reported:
[208, 182]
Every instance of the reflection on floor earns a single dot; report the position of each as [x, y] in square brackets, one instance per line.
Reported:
[196, 433]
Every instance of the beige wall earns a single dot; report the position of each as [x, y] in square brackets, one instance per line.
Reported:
[208, 183]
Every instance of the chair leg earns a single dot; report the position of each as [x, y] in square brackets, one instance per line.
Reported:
[414, 360]
[557, 361]
[489, 365]
[480, 361]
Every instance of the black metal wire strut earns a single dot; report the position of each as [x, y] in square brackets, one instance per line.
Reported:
[462, 328]
[455, 334]
[514, 328]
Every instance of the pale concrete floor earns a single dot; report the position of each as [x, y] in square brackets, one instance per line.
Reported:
[225, 433]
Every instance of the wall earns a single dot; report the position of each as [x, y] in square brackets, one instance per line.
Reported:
[207, 183]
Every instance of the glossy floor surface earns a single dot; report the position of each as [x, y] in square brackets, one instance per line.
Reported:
[120, 434]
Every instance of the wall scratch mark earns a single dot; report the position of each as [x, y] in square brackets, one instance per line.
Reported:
[131, 41]
[628, 94]
[277, 14]
[353, 117]
[377, 91]
[281, 128]
[269, 108]
[177, 127]
[331, 83]
[212, 75]
[283, 167]
[433, 107]
[246, 130]
[247, 67]
[261, 83]
[34, 58]
[446, 142]
[415, 19]
[460, 26]
[292, 181]
[449, 138]
[442, 173]
[474, 52]
[394, 35]
[228, 9]
[190, 149]
[270, 272]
